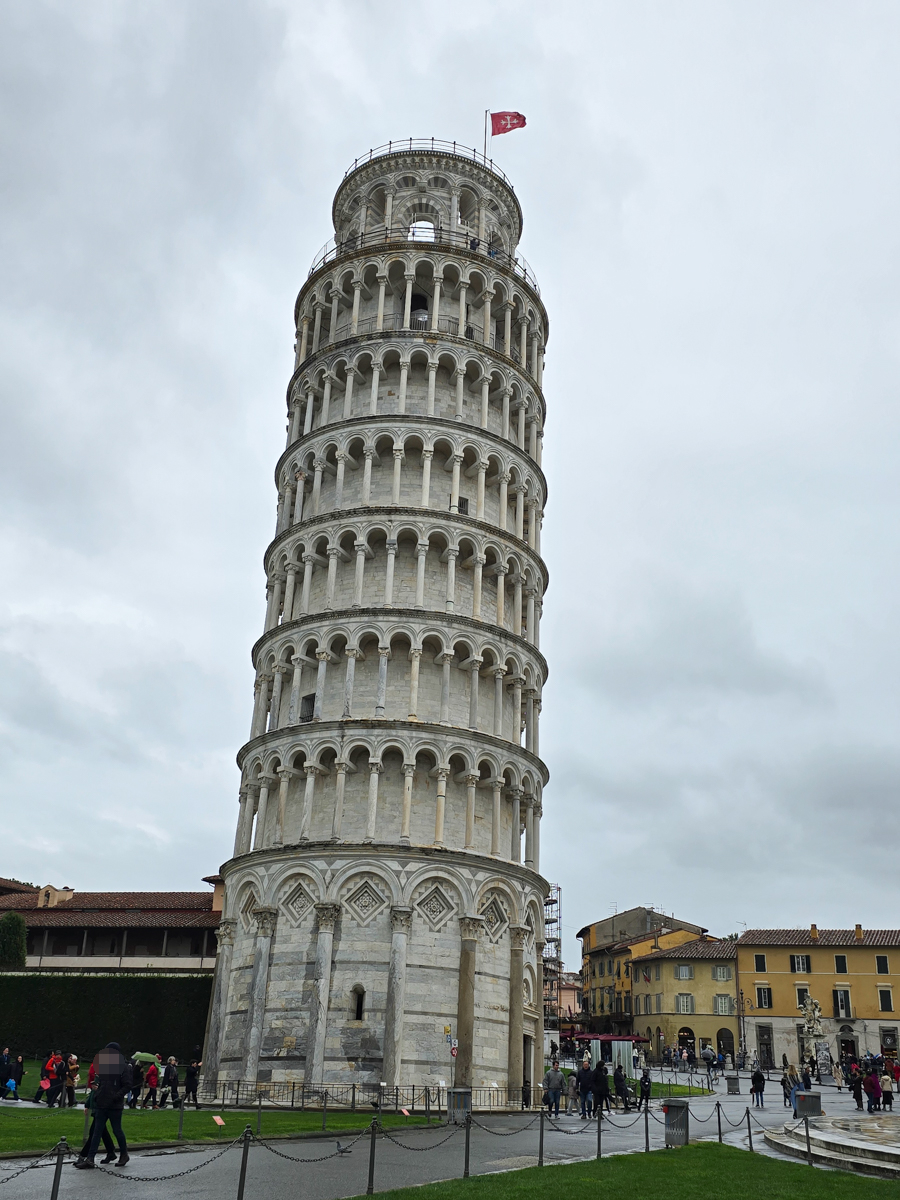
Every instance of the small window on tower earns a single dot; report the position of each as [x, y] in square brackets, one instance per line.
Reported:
[418, 312]
[359, 1002]
[421, 231]
[463, 506]
[307, 704]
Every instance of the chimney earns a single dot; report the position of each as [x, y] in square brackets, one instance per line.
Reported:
[859, 933]
[814, 933]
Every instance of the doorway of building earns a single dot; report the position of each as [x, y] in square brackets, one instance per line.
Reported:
[725, 1043]
[764, 1046]
[685, 1038]
[847, 1042]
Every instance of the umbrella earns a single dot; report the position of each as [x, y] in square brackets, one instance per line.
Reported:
[143, 1056]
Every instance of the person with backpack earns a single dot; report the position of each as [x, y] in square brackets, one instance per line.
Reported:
[170, 1083]
[152, 1081]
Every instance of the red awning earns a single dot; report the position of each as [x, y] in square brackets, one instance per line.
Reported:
[607, 1037]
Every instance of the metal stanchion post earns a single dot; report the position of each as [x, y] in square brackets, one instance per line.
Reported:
[396, 1099]
[324, 1107]
[749, 1130]
[468, 1135]
[600, 1134]
[428, 1106]
[61, 1151]
[647, 1126]
[809, 1157]
[242, 1179]
[353, 1099]
[370, 1188]
[293, 1085]
[259, 1113]
[719, 1120]
[541, 1142]
[181, 1117]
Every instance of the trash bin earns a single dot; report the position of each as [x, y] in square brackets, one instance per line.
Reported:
[677, 1122]
[734, 1085]
[459, 1105]
[809, 1104]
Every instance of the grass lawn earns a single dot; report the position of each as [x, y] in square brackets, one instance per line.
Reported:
[31, 1129]
[698, 1172]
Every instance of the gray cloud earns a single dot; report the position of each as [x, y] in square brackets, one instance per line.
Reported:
[709, 199]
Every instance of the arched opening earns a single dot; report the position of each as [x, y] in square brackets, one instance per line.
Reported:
[725, 1043]
[421, 230]
[685, 1038]
[358, 1002]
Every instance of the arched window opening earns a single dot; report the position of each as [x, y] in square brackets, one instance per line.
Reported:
[418, 311]
[421, 230]
[358, 1002]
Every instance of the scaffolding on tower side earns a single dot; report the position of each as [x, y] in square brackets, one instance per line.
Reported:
[553, 963]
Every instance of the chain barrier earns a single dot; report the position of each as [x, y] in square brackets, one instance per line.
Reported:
[421, 1149]
[701, 1120]
[506, 1133]
[177, 1175]
[734, 1124]
[322, 1158]
[28, 1166]
[570, 1132]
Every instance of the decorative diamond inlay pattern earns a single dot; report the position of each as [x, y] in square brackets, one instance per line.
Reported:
[297, 904]
[436, 908]
[496, 920]
[366, 902]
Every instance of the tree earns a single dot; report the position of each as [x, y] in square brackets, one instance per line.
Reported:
[13, 940]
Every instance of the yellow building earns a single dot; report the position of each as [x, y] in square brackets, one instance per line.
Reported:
[607, 962]
[849, 971]
[684, 996]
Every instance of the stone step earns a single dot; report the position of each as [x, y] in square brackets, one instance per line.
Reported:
[833, 1154]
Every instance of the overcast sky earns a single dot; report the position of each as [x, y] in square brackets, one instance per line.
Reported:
[711, 198]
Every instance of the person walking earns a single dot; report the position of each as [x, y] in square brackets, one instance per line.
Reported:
[152, 1081]
[621, 1088]
[58, 1076]
[73, 1075]
[786, 1086]
[585, 1075]
[796, 1086]
[170, 1083]
[554, 1082]
[855, 1084]
[191, 1078]
[758, 1086]
[600, 1089]
[887, 1092]
[109, 1145]
[868, 1084]
[137, 1085]
[646, 1087]
[114, 1082]
[12, 1081]
[807, 1079]
[837, 1074]
[572, 1093]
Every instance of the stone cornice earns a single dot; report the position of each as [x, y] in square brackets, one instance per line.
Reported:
[426, 336]
[430, 617]
[418, 514]
[474, 431]
[428, 729]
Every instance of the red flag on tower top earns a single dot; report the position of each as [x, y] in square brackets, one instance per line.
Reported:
[504, 122]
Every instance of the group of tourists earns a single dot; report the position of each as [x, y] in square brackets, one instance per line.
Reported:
[877, 1081]
[593, 1088]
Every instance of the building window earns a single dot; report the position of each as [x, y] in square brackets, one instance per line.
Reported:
[763, 997]
[721, 972]
[723, 1005]
[759, 961]
[881, 964]
[802, 993]
[628, 1004]
[601, 968]
[656, 973]
[885, 1000]
[684, 971]
[463, 506]
[841, 1000]
[659, 1002]
[307, 704]
[840, 964]
[800, 964]
[684, 1002]
[358, 996]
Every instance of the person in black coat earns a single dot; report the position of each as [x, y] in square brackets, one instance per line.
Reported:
[13, 1073]
[583, 1078]
[191, 1077]
[114, 1082]
[646, 1087]
[600, 1089]
[621, 1087]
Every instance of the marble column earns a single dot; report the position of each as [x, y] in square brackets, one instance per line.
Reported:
[265, 782]
[326, 918]
[401, 924]
[212, 1050]
[538, 1068]
[259, 982]
[469, 933]
[308, 796]
[515, 1060]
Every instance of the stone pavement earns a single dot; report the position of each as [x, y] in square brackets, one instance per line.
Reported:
[419, 1155]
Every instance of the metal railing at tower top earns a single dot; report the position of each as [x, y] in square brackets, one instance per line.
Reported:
[405, 145]
[456, 239]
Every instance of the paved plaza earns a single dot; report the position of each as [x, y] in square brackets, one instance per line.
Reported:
[434, 1153]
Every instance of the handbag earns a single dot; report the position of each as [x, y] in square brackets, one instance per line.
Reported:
[45, 1085]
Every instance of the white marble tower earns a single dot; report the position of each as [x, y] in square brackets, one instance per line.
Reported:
[385, 881]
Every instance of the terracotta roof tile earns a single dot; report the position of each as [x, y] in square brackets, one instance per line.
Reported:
[63, 916]
[827, 937]
[702, 948]
[123, 901]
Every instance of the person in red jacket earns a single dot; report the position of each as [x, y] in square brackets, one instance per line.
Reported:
[151, 1079]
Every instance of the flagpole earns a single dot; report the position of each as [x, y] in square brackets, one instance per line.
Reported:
[487, 113]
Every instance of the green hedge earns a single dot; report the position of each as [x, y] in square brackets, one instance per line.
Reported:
[82, 1013]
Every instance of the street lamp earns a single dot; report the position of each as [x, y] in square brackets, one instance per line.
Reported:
[743, 1005]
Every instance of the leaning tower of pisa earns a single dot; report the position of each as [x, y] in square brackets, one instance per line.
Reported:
[385, 883]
